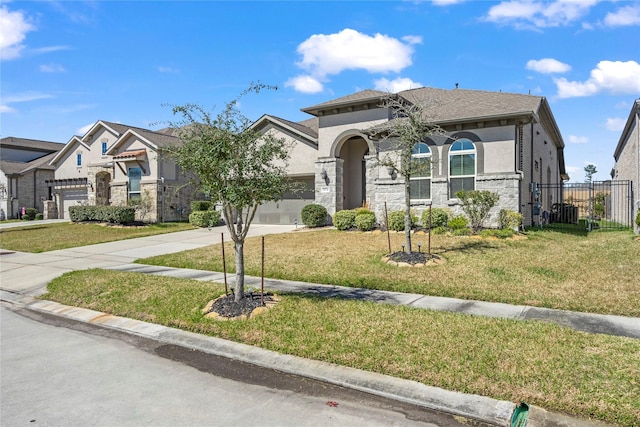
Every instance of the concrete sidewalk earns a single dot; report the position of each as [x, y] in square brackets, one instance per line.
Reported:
[25, 276]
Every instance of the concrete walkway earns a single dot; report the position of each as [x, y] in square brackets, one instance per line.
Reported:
[25, 276]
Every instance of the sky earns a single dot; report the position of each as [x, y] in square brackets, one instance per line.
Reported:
[66, 64]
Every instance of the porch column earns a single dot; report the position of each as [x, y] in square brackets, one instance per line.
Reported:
[329, 183]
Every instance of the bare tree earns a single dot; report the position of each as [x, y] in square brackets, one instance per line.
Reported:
[409, 125]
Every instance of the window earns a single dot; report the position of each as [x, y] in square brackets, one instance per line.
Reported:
[135, 175]
[420, 181]
[462, 166]
[78, 159]
[104, 147]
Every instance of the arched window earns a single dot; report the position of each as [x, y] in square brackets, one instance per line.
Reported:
[420, 181]
[462, 166]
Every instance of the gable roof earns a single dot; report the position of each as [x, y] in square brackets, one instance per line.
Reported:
[366, 96]
[305, 130]
[153, 139]
[632, 120]
[72, 143]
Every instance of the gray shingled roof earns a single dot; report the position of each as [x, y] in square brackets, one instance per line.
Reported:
[459, 104]
[354, 98]
[23, 167]
[162, 138]
[300, 127]
[447, 105]
[11, 141]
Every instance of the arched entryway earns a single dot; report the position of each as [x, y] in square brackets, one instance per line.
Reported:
[352, 153]
[103, 188]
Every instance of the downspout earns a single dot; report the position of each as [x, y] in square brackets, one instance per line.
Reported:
[515, 164]
[35, 171]
[637, 193]
[531, 172]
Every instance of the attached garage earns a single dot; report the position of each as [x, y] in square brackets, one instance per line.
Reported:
[287, 210]
[68, 192]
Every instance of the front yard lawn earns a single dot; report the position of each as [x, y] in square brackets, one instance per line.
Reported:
[585, 375]
[50, 237]
[598, 273]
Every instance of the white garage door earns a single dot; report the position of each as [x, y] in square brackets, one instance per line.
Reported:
[71, 197]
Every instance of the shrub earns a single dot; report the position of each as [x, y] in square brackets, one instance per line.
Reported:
[39, 216]
[204, 218]
[396, 220]
[439, 230]
[508, 219]
[638, 219]
[476, 205]
[439, 218]
[29, 214]
[200, 205]
[458, 222]
[111, 214]
[314, 215]
[344, 220]
[365, 221]
[461, 232]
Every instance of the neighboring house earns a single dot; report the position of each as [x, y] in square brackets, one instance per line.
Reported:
[24, 169]
[627, 166]
[496, 141]
[115, 164]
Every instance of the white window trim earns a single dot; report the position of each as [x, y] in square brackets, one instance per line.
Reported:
[473, 151]
[423, 178]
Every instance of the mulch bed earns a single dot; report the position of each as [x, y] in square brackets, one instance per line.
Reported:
[227, 307]
[412, 258]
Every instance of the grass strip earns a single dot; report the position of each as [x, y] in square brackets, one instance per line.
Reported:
[49, 237]
[589, 376]
[599, 273]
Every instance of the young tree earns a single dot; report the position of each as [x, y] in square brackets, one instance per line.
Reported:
[476, 205]
[409, 125]
[589, 171]
[237, 166]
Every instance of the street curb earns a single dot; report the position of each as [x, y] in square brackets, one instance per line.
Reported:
[485, 409]
[480, 408]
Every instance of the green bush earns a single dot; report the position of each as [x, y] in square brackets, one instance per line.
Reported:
[314, 215]
[396, 220]
[29, 214]
[476, 205]
[365, 221]
[439, 230]
[344, 220]
[509, 219]
[638, 219]
[458, 222]
[204, 218]
[39, 217]
[461, 232]
[111, 214]
[200, 205]
[439, 218]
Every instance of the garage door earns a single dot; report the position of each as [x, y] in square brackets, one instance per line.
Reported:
[71, 197]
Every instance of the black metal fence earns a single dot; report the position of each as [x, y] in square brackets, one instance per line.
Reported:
[598, 205]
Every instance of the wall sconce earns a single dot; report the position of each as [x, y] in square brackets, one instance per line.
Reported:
[323, 174]
[90, 184]
[390, 170]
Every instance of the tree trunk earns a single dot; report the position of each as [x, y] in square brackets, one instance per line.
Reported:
[239, 289]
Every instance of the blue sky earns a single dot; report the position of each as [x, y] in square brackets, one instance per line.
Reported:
[66, 64]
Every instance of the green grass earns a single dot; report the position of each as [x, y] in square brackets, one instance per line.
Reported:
[49, 237]
[585, 375]
[598, 273]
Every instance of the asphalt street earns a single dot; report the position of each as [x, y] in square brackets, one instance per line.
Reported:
[56, 371]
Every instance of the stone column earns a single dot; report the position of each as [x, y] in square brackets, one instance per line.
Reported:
[328, 182]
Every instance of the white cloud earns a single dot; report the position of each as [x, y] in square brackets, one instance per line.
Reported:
[573, 169]
[625, 16]
[615, 124]
[7, 109]
[615, 77]
[445, 2]
[52, 68]
[573, 139]
[304, 84]
[531, 14]
[84, 129]
[14, 27]
[49, 49]
[330, 54]
[548, 66]
[26, 97]
[397, 85]
[167, 70]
